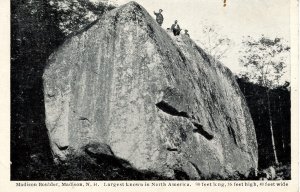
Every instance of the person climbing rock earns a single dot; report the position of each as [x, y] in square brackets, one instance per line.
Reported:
[176, 28]
[159, 17]
[186, 33]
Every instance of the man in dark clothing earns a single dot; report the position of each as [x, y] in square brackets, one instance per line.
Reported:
[186, 33]
[159, 17]
[175, 28]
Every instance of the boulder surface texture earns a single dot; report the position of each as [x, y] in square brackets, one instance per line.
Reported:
[159, 101]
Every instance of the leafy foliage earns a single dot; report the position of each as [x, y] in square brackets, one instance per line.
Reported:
[280, 105]
[264, 60]
[76, 14]
[34, 35]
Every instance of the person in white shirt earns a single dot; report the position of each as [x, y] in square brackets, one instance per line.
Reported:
[176, 28]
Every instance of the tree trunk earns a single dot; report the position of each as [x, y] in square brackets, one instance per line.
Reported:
[271, 127]
[282, 131]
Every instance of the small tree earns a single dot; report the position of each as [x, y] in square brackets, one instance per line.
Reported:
[213, 43]
[264, 61]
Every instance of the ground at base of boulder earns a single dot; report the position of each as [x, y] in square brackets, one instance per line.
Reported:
[101, 168]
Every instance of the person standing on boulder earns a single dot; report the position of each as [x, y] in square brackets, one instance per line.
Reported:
[159, 17]
[176, 28]
[186, 32]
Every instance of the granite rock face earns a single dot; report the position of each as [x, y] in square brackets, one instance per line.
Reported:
[159, 101]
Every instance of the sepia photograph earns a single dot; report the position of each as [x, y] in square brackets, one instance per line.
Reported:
[160, 90]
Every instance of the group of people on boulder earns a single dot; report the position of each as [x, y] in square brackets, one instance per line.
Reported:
[175, 28]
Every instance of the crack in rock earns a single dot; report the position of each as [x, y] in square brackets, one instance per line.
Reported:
[172, 149]
[84, 119]
[196, 168]
[167, 108]
[232, 133]
[201, 131]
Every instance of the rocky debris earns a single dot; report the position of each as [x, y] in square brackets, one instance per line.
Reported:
[160, 102]
[267, 174]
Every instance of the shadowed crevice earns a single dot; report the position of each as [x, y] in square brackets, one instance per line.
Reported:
[172, 149]
[165, 107]
[181, 175]
[201, 131]
[232, 133]
[181, 55]
[63, 148]
[84, 119]
[197, 169]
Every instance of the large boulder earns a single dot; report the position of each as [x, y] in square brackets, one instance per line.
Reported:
[159, 101]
